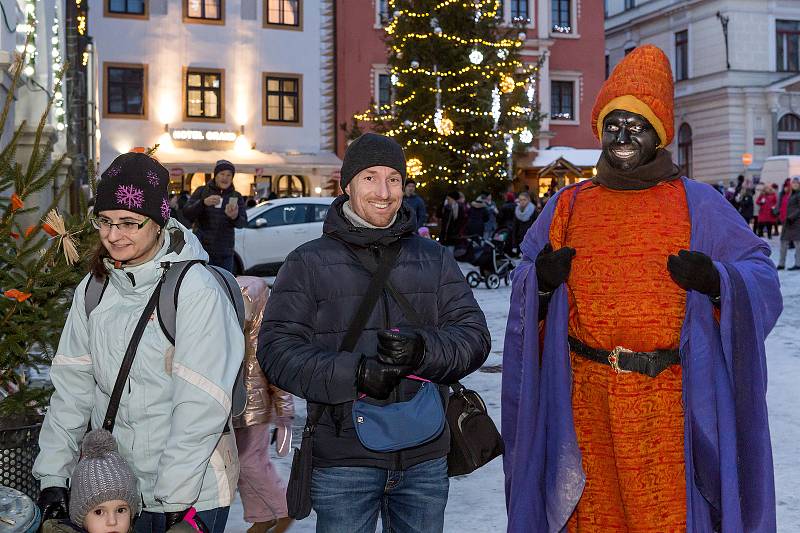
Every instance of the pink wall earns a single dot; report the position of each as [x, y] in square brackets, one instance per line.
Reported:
[358, 46]
[586, 55]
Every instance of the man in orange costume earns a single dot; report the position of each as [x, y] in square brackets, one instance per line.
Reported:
[634, 379]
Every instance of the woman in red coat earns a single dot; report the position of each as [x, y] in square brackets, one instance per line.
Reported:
[767, 217]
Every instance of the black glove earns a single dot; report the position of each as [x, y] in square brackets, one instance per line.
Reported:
[694, 271]
[401, 347]
[377, 379]
[54, 503]
[174, 518]
[552, 268]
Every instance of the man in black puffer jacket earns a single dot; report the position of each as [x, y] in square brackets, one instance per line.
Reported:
[218, 209]
[314, 300]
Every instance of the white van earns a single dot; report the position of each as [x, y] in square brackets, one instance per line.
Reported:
[778, 168]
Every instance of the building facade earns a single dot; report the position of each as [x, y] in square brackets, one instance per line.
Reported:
[568, 32]
[736, 65]
[250, 81]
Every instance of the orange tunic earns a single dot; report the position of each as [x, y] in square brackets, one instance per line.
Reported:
[629, 426]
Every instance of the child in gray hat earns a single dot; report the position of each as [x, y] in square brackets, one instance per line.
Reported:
[104, 496]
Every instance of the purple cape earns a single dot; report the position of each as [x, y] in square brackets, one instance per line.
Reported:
[729, 476]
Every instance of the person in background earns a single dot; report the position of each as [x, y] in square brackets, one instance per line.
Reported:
[251, 202]
[491, 224]
[452, 220]
[176, 209]
[505, 219]
[261, 488]
[415, 203]
[746, 205]
[218, 209]
[767, 210]
[791, 227]
[524, 216]
[756, 208]
[477, 218]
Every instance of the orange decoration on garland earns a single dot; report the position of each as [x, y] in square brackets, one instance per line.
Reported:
[29, 230]
[17, 295]
[49, 230]
[16, 202]
[14, 235]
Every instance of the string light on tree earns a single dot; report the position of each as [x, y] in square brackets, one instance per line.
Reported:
[526, 137]
[496, 105]
[413, 167]
[502, 53]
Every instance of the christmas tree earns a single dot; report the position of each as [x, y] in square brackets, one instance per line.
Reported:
[462, 100]
[39, 264]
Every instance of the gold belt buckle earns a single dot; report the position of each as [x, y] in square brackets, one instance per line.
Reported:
[613, 359]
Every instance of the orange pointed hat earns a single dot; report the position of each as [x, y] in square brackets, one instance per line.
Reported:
[641, 83]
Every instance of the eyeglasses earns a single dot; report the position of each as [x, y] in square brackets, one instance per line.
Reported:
[126, 228]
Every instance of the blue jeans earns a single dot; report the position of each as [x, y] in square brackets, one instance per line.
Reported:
[214, 519]
[409, 501]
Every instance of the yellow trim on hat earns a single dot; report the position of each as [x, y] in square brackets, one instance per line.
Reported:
[628, 102]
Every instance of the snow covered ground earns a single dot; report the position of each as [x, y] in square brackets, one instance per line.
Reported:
[476, 502]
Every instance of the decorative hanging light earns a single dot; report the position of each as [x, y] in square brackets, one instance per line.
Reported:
[526, 137]
[502, 53]
[475, 57]
[413, 167]
[507, 84]
[495, 105]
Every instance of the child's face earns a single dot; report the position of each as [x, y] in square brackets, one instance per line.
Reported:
[109, 517]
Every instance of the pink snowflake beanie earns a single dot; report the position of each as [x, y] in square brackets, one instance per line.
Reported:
[135, 182]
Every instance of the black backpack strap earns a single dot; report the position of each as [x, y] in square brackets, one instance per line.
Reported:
[127, 361]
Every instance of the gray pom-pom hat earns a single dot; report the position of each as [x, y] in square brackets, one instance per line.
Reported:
[101, 475]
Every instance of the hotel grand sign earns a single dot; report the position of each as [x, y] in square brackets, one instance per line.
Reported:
[203, 139]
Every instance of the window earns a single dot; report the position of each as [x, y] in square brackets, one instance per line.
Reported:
[789, 135]
[788, 45]
[125, 90]
[291, 186]
[562, 101]
[685, 149]
[208, 11]
[204, 95]
[284, 215]
[283, 13]
[682, 55]
[133, 8]
[562, 16]
[383, 12]
[384, 94]
[320, 212]
[282, 93]
[519, 11]
[630, 4]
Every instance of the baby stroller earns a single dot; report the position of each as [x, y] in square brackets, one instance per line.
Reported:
[493, 263]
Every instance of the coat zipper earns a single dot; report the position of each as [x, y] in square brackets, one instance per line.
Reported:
[397, 457]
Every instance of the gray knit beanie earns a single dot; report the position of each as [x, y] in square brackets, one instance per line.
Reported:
[101, 475]
[372, 150]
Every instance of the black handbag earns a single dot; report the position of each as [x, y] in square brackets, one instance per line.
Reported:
[474, 439]
[298, 490]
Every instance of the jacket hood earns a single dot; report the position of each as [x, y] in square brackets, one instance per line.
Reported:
[180, 244]
[338, 227]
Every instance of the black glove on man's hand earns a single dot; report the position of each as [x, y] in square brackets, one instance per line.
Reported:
[401, 347]
[54, 503]
[694, 271]
[377, 379]
[552, 268]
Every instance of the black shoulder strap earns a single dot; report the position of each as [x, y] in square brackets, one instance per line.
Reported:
[379, 278]
[127, 361]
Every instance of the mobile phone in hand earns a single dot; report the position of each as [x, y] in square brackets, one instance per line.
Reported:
[233, 200]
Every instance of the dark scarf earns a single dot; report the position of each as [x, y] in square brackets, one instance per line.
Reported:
[659, 170]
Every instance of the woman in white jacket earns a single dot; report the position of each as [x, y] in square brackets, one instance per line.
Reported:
[173, 423]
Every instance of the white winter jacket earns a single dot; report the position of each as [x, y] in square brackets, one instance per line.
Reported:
[171, 417]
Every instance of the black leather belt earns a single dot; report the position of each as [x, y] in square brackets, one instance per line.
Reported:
[623, 360]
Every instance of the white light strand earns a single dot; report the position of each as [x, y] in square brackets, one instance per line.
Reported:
[496, 105]
[29, 31]
[58, 64]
